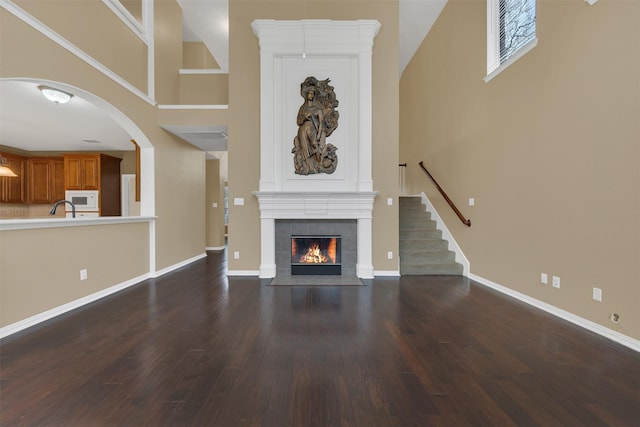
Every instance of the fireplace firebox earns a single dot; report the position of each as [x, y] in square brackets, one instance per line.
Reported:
[316, 255]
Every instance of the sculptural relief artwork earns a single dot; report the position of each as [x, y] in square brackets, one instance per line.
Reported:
[317, 119]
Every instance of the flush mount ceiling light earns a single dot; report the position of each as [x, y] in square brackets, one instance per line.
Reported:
[4, 168]
[55, 95]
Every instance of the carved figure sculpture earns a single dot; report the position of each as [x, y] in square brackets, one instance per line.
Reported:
[317, 119]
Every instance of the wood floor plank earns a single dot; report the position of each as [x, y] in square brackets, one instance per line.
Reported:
[197, 348]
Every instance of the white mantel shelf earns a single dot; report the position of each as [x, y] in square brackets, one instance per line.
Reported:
[315, 205]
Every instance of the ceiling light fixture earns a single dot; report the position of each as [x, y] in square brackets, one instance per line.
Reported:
[4, 169]
[55, 95]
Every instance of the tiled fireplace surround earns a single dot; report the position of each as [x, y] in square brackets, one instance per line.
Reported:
[345, 228]
[340, 203]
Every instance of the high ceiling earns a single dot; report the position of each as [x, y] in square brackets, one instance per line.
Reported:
[29, 122]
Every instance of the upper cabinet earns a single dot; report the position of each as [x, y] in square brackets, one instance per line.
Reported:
[82, 171]
[13, 189]
[95, 172]
[45, 179]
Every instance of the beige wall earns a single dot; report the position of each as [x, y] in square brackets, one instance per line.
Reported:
[207, 89]
[40, 268]
[179, 167]
[549, 149]
[94, 28]
[244, 129]
[168, 53]
[196, 55]
[214, 215]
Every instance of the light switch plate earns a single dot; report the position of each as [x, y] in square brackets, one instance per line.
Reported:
[543, 278]
[556, 282]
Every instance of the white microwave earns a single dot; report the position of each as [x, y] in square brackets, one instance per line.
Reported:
[84, 200]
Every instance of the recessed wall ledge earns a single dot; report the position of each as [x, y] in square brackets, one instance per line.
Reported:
[33, 223]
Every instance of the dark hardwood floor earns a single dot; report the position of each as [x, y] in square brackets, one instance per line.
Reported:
[194, 348]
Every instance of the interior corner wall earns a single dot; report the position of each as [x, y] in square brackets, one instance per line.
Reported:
[548, 148]
[244, 130]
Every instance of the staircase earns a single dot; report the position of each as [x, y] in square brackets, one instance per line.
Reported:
[423, 251]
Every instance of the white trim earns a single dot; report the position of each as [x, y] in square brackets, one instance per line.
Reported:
[563, 314]
[148, 21]
[591, 2]
[446, 234]
[28, 224]
[57, 311]
[202, 71]
[215, 248]
[194, 107]
[243, 273]
[513, 58]
[386, 273]
[177, 266]
[64, 43]
[127, 18]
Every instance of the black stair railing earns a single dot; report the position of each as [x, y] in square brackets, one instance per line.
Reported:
[465, 221]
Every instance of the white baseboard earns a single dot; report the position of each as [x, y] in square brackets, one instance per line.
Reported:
[243, 272]
[57, 311]
[627, 341]
[386, 273]
[178, 265]
[215, 248]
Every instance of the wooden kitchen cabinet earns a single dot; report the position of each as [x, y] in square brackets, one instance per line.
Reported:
[95, 172]
[82, 172]
[14, 189]
[45, 179]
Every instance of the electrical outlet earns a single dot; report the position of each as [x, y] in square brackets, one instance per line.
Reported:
[236, 255]
[83, 274]
[597, 294]
[389, 254]
[543, 278]
[556, 282]
[389, 201]
[238, 201]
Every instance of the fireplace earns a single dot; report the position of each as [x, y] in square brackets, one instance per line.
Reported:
[336, 204]
[316, 255]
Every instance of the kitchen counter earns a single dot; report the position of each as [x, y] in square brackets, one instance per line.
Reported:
[32, 223]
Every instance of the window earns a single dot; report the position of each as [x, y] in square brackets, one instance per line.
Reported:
[511, 32]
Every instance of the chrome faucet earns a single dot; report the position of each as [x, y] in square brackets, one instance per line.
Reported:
[55, 206]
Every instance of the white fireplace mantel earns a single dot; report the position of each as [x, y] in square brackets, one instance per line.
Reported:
[341, 51]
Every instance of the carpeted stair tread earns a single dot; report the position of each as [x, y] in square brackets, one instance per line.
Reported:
[423, 251]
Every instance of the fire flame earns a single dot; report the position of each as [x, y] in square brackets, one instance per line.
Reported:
[314, 255]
